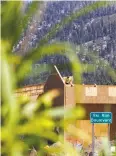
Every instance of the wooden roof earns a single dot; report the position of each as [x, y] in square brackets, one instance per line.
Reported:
[32, 91]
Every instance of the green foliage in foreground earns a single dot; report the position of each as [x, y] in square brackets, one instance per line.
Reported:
[21, 118]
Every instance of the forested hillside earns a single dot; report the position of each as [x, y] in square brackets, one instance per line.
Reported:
[94, 32]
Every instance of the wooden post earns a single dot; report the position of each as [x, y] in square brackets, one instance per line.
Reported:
[109, 132]
[93, 140]
[109, 135]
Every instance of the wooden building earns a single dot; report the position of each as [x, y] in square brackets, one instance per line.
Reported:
[94, 98]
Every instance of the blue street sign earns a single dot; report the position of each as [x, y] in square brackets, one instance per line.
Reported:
[101, 117]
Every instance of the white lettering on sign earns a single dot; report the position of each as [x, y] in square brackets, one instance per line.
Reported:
[112, 91]
[91, 91]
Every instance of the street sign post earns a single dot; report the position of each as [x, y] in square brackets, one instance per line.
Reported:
[100, 118]
[93, 140]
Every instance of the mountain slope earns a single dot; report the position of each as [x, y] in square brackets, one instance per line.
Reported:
[95, 31]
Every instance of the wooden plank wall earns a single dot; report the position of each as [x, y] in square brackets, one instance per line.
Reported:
[90, 94]
[30, 90]
[69, 96]
[102, 108]
[86, 126]
[101, 130]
